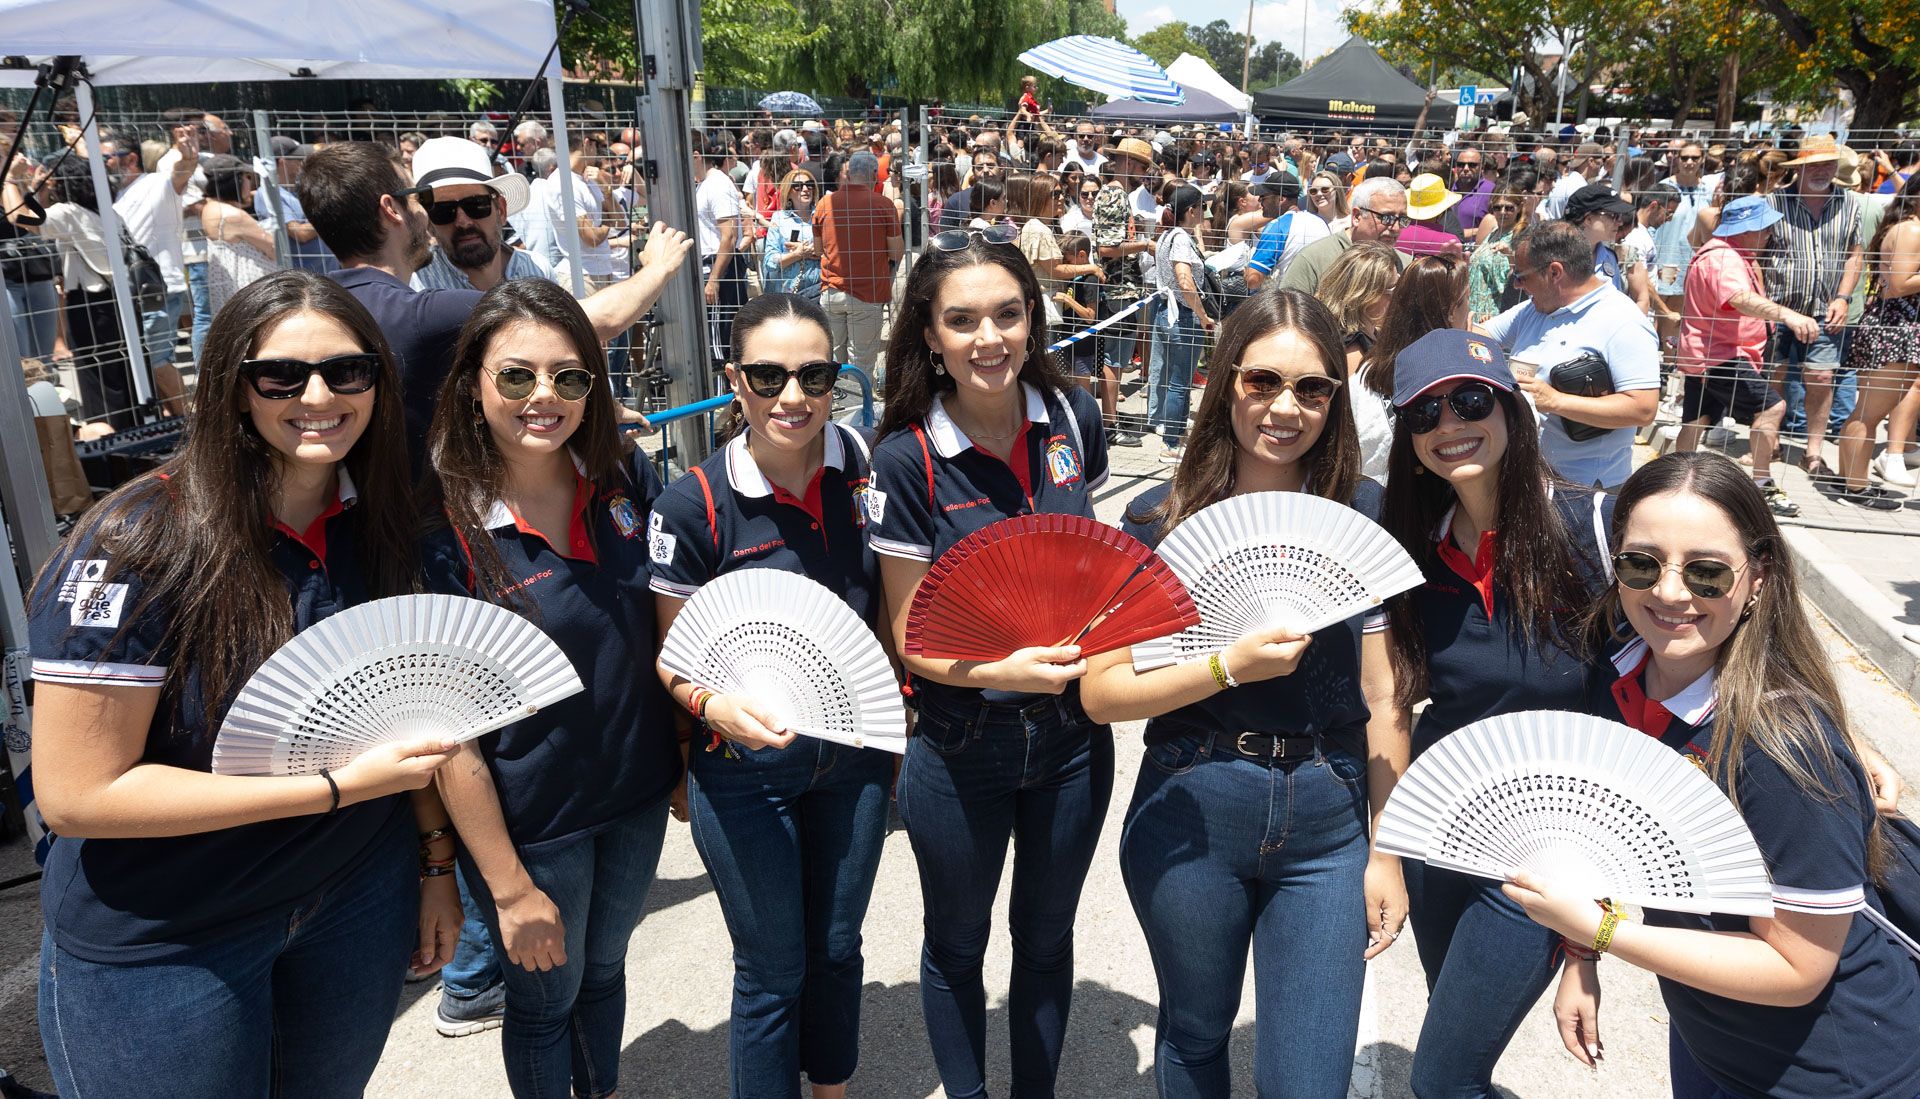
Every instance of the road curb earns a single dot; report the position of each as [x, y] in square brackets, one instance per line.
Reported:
[1856, 608]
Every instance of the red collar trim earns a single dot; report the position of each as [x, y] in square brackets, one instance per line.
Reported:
[578, 547]
[1476, 570]
[1643, 713]
[810, 502]
[1018, 460]
[314, 538]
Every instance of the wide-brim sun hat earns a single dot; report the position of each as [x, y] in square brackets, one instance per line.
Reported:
[1818, 149]
[1134, 148]
[450, 161]
[1428, 197]
[1746, 214]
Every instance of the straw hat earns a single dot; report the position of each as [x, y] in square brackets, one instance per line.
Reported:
[1428, 197]
[1847, 177]
[1135, 148]
[1816, 149]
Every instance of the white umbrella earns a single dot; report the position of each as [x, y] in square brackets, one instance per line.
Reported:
[1103, 65]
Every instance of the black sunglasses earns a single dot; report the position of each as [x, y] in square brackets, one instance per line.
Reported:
[769, 380]
[1704, 577]
[284, 379]
[955, 239]
[516, 383]
[1508, 207]
[1311, 391]
[478, 208]
[1387, 221]
[1471, 401]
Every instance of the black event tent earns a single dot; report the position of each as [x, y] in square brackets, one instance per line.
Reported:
[1352, 88]
[1199, 107]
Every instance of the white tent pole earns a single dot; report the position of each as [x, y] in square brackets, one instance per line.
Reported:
[270, 186]
[116, 257]
[556, 89]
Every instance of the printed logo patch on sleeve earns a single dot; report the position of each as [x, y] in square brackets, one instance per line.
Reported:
[660, 546]
[80, 573]
[876, 505]
[98, 605]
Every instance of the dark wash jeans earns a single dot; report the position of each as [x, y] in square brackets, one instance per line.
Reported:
[791, 838]
[1486, 966]
[974, 779]
[561, 1034]
[295, 1004]
[1220, 853]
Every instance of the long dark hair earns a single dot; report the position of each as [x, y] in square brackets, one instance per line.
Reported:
[759, 311]
[198, 531]
[1206, 473]
[1423, 300]
[911, 381]
[1535, 564]
[1772, 675]
[467, 472]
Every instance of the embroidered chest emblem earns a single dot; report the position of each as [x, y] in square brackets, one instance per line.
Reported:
[862, 503]
[625, 518]
[1063, 465]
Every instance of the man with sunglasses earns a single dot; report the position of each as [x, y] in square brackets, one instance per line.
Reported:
[1474, 184]
[467, 208]
[374, 222]
[1574, 316]
[1672, 249]
[1282, 190]
[1379, 213]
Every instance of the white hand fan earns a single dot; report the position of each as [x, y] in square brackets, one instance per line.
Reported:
[1582, 800]
[405, 668]
[789, 642]
[1267, 559]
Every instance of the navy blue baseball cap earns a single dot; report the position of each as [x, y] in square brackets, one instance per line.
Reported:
[1447, 355]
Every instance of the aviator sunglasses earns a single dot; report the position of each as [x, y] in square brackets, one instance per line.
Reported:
[516, 383]
[284, 379]
[478, 208]
[1704, 577]
[767, 380]
[1311, 391]
[1472, 402]
[955, 239]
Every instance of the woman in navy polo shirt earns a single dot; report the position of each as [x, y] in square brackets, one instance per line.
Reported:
[1249, 822]
[1721, 663]
[210, 934]
[790, 830]
[562, 816]
[1512, 557]
[979, 426]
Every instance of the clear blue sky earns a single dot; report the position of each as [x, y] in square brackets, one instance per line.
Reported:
[1272, 20]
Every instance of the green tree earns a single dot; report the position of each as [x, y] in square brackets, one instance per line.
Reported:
[1225, 49]
[1166, 42]
[1869, 47]
[743, 42]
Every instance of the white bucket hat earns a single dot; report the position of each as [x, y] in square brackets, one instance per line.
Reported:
[452, 160]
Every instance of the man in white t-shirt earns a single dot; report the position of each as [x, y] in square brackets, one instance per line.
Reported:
[149, 207]
[716, 208]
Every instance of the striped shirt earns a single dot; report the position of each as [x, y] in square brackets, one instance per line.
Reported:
[441, 274]
[1809, 252]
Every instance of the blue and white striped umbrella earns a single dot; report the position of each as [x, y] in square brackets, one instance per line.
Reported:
[1103, 65]
[791, 104]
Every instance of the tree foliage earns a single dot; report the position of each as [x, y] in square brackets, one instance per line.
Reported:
[744, 42]
[1225, 49]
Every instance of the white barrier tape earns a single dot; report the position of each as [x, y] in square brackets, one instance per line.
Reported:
[1086, 333]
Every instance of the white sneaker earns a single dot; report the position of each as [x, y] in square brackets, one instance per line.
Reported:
[1892, 468]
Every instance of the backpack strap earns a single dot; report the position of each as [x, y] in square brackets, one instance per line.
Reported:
[1600, 535]
[927, 456]
[1073, 424]
[706, 490]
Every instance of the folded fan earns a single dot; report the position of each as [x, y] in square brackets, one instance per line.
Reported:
[1582, 800]
[787, 641]
[1040, 580]
[405, 668]
[1268, 559]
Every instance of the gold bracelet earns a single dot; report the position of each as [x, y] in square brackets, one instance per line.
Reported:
[1609, 921]
[1219, 670]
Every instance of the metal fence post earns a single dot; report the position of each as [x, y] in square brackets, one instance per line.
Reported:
[563, 168]
[130, 327]
[263, 143]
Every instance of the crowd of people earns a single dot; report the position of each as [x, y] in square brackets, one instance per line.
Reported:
[1463, 359]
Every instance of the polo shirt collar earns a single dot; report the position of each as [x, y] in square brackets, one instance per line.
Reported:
[743, 473]
[500, 516]
[949, 441]
[1585, 301]
[1695, 702]
[314, 538]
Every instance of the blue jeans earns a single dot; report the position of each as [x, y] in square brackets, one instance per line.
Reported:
[1220, 853]
[202, 306]
[561, 1034]
[159, 330]
[36, 317]
[1486, 966]
[1170, 384]
[1826, 352]
[973, 780]
[475, 968]
[791, 838]
[295, 1003]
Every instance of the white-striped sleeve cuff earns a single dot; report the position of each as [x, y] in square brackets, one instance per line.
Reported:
[92, 672]
[887, 547]
[1374, 622]
[667, 587]
[1094, 485]
[1819, 901]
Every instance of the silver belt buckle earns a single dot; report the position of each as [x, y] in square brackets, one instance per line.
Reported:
[1240, 743]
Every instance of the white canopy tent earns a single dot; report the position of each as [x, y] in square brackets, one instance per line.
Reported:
[190, 41]
[1194, 72]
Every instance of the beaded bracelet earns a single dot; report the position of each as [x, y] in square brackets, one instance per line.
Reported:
[436, 834]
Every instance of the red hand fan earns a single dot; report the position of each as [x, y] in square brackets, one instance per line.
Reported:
[1045, 580]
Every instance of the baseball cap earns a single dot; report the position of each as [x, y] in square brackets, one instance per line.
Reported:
[282, 145]
[1745, 215]
[1597, 198]
[1447, 355]
[1277, 183]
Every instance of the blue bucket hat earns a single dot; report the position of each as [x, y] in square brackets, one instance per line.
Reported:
[1447, 355]
[1745, 215]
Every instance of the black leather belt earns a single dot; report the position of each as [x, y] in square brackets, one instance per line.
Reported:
[1267, 747]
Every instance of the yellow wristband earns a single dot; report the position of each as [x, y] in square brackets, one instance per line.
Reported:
[1219, 669]
[1609, 921]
